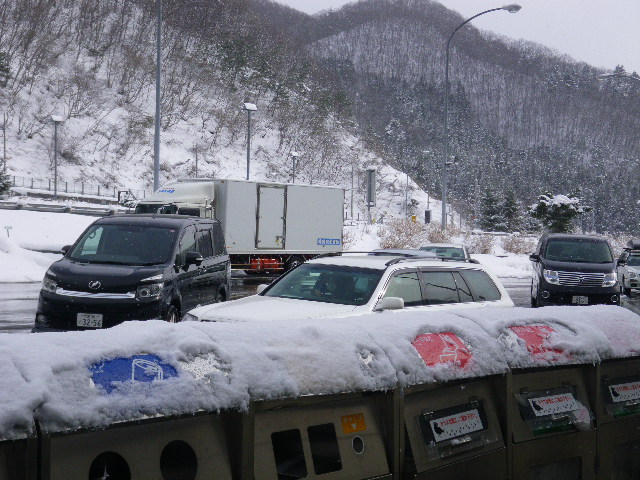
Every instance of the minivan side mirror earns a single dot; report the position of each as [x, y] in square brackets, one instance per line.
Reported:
[534, 257]
[192, 258]
[390, 303]
[261, 288]
[65, 249]
[621, 263]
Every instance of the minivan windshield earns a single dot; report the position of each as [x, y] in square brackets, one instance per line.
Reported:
[580, 250]
[125, 245]
[633, 261]
[327, 283]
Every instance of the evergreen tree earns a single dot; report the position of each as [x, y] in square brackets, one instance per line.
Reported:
[491, 215]
[557, 212]
[5, 183]
[511, 212]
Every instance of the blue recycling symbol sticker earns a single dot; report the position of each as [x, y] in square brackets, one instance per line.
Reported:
[138, 368]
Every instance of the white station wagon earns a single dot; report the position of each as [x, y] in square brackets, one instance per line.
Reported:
[360, 284]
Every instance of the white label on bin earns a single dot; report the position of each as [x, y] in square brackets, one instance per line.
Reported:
[456, 425]
[564, 402]
[624, 392]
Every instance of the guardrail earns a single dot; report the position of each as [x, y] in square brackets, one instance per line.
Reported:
[44, 207]
[81, 189]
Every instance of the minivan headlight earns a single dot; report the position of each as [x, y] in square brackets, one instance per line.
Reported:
[551, 276]
[49, 285]
[610, 279]
[152, 290]
[633, 275]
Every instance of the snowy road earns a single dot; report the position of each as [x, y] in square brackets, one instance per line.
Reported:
[18, 301]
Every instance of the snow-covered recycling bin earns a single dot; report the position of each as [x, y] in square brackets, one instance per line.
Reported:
[453, 421]
[550, 391]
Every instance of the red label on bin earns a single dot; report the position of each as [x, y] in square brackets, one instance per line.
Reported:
[535, 336]
[435, 348]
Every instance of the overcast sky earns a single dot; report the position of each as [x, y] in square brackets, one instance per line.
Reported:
[603, 33]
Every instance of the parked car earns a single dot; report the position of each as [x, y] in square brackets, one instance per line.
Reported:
[361, 284]
[134, 267]
[452, 251]
[573, 269]
[629, 267]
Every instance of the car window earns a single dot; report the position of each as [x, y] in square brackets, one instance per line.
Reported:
[124, 245]
[204, 244]
[452, 252]
[218, 240]
[441, 288]
[581, 250]
[89, 244]
[327, 283]
[481, 285]
[463, 288]
[405, 285]
[187, 244]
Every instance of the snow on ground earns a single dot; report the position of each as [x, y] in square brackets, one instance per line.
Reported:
[509, 265]
[42, 230]
[20, 265]
[51, 231]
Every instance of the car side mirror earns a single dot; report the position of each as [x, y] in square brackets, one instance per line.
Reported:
[621, 263]
[534, 257]
[65, 249]
[390, 303]
[473, 260]
[193, 258]
[261, 288]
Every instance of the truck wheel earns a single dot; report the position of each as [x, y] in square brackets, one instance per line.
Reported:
[293, 262]
[173, 314]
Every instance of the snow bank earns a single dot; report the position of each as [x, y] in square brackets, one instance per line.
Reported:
[20, 265]
[59, 378]
[43, 230]
[506, 266]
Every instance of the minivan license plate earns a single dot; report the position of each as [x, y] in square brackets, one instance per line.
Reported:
[580, 300]
[92, 320]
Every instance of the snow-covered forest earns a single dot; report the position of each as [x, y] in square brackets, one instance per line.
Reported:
[350, 88]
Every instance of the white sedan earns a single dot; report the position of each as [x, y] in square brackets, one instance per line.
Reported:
[360, 284]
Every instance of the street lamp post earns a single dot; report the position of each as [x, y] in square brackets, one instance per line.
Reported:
[512, 8]
[156, 141]
[294, 156]
[4, 141]
[56, 119]
[249, 107]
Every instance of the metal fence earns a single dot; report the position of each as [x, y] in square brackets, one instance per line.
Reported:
[82, 189]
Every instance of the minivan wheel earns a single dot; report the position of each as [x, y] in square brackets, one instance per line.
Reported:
[173, 314]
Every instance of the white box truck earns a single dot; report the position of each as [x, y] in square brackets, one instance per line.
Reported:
[267, 226]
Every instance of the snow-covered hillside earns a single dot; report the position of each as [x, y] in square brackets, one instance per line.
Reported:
[99, 78]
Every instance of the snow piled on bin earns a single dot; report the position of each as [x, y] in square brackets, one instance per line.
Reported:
[566, 335]
[58, 379]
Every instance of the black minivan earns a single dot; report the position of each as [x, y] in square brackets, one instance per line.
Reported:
[571, 269]
[135, 267]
